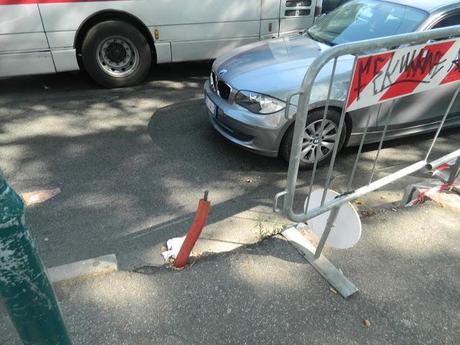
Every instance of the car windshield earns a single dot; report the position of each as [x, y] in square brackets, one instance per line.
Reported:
[366, 19]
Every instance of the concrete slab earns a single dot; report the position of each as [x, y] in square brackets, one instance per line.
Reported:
[244, 228]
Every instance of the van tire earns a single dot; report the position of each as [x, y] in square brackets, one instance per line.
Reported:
[116, 54]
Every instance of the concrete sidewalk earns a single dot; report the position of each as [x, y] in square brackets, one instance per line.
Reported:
[407, 267]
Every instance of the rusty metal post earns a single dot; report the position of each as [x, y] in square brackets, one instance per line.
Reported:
[24, 285]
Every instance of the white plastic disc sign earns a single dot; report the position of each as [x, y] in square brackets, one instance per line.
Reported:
[347, 228]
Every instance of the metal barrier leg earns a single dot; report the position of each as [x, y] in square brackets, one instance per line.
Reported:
[24, 285]
[443, 121]
[327, 231]
[322, 265]
[455, 172]
[444, 179]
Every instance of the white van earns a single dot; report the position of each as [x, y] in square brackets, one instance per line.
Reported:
[117, 41]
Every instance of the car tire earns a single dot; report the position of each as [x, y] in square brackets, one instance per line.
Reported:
[314, 120]
[116, 54]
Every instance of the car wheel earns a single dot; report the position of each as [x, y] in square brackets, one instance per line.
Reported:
[116, 54]
[312, 139]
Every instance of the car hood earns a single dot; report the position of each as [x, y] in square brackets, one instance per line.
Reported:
[273, 67]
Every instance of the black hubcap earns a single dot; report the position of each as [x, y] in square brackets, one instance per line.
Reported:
[116, 52]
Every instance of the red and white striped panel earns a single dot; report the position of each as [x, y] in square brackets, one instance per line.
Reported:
[401, 72]
[35, 2]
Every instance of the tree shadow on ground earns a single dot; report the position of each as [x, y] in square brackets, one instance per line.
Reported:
[131, 180]
[70, 82]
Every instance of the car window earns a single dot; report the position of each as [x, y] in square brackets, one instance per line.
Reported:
[448, 21]
[366, 19]
[329, 5]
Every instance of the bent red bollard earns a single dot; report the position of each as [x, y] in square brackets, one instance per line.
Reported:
[194, 232]
[24, 285]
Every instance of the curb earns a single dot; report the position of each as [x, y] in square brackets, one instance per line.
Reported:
[100, 265]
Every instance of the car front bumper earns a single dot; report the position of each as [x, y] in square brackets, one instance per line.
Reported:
[261, 134]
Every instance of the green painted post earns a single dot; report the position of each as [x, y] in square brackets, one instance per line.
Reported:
[24, 285]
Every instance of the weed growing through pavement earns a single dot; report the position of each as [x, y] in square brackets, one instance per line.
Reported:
[264, 231]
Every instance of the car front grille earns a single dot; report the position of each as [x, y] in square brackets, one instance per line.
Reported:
[220, 87]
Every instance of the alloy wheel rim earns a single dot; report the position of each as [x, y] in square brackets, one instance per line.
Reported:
[118, 56]
[317, 145]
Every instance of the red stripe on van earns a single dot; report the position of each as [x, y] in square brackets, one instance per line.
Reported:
[26, 2]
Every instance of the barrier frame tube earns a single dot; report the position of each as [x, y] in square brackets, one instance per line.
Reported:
[355, 49]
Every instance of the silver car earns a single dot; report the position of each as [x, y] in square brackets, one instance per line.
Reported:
[247, 91]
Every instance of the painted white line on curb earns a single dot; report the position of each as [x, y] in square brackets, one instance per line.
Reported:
[101, 265]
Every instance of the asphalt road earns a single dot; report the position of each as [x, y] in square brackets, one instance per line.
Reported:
[132, 163]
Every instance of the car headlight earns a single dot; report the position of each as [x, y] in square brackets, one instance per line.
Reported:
[259, 103]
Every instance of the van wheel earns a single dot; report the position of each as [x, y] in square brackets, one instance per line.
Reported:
[116, 54]
[315, 146]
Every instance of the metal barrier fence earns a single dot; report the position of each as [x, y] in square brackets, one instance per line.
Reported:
[432, 65]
